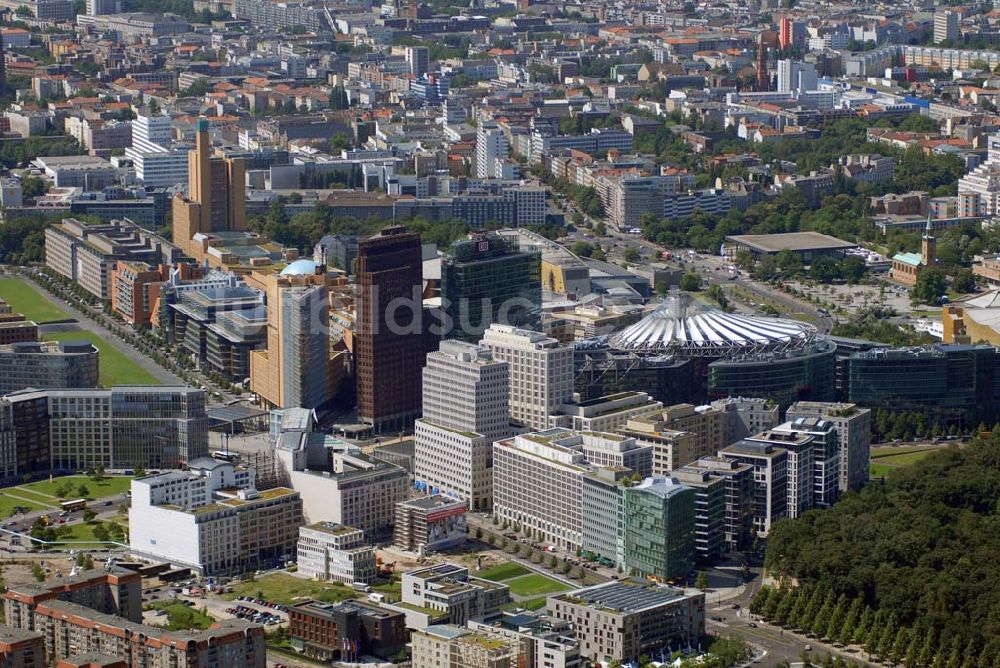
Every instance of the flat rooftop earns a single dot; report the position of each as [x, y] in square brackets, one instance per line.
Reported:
[628, 596]
[793, 241]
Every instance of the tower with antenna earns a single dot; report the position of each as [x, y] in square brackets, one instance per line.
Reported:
[928, 245]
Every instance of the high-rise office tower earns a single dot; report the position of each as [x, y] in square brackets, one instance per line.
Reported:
[417, 60]
[295, 370]
[390, 344]
[486, 280]
[854, 433]
[491, 147]
[659, 528]
[216, 195]
[465, 397]
[541, 372]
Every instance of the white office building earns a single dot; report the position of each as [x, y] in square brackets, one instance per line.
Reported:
[945, 25]
[157, 163]
[465, 409]
[795, 76]
[212, 519]
[328, 551]
[538, 478]
[541, 373]
[491, 150]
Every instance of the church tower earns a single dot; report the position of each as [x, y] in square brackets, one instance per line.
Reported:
[928, 245]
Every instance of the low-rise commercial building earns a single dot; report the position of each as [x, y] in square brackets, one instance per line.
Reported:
[328, 551]
[545, 642]
[48, 364]
[430, 523]
[345, 631]
[625, 619]
[213, 520]
[446, 594]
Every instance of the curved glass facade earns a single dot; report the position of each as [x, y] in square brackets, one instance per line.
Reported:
[802, 375]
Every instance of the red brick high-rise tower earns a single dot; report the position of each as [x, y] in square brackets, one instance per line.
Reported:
[763, 80]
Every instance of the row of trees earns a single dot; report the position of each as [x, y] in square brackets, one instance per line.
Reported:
[821, 612]
[918, 552]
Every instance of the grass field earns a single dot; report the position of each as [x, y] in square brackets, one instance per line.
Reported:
[8, 502]
[115, 368]
[502, 572]
[109, 486]
[886, 460]
[523, 582]
[535, 584]
[287, 589]
[529, 604]
[181, 617]
[25, 299]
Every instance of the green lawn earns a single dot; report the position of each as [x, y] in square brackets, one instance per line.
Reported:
[887, 460]
[502, 572]
[287, 589]
[25, 299]
[181, 617]
[879, 470]
[8, 503]
[535, 584]
[109, 486]
[115, 368]
[529, 604]
[879, 453]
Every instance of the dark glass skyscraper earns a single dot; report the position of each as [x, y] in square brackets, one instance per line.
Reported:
[487, 279]
[390, 343]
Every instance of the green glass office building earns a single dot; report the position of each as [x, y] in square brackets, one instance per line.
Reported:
[660, 528]
[487, 279]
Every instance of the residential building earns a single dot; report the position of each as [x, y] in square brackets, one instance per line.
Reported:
[48, 364]
[622, 620]
[296, 368]
[800, 457]
[451, 646]
[333, 552]
[390, 339]
[709, 511]
[417, 60]
[21, 648]
[345, 631]
[770, 467]
[446, 594]
[492, 149]
[213, 520]
[545, 642]
[339, 483]
[825, 444]
[270, 15]
[796, 76]
[465, 409]
[99, 613]
[983, 181]
[854, 433]
[946, 25]
[738, 480]
[487, 279]
[541, 373]
[746, 416]
[216, 197]
[659, 528]
[868, 168]
[71, 629]
[135, 289]
[430, 523]
[87, 254]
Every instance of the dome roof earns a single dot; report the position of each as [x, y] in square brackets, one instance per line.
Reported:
[682, 326]
[301, 267]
